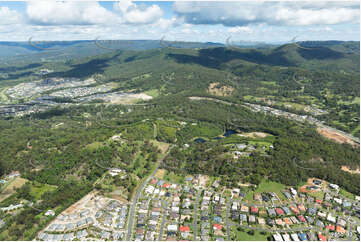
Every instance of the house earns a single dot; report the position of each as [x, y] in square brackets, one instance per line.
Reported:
[257, 197]
[115, 171]
[309, 219]
[321, 237]
[261, 221]
[287, 195]
[339, 229]
[295, 237]
[287, 211]
[337, 200]
[331, 218]
[311, 211]
[346, 204]
[293, 191]
[81, 234]
[105, 234]
[311, 236]
[244, 209]
[295, 210]
[279, 211]
[243, 218]
[341, 222]
[321, 214]
[251, 219]
[149, 189]
[286, 237]
[330, 227]
[327, 197]
[172, 227]
[334, 186]
[270, 222]
[277, 237]
[234, 206]
[254, 210]
[217, 219]
[287, 221]
[318, 201]
[302, 236]
[317, 182]
[271, 212]
[294, 220]
[217, 226]
[279, 222]
[175, 209]
[49, 213]
[301, 219]
[301, 208]
[118, 235]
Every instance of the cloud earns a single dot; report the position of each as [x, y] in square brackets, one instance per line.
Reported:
[138, 14]
[271, 13]
[8, 16]
[68, 13]
[240, 29]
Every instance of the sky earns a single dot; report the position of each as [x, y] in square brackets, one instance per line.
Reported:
[212, 21]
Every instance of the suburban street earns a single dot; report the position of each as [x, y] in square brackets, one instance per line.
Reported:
[139, 192]
[196, 216]
[164, 219]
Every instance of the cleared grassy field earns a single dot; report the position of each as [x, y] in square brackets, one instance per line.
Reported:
[267, 186]
[244, 236]
[9, 187]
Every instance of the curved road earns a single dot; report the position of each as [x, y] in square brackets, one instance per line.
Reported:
[139, 192]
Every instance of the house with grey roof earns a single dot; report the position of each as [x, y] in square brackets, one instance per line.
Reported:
[105, 234]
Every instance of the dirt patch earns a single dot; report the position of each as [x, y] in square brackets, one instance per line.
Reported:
[160, 173]
[203, 179]
[216, 89]
[10, 188]
[337, 137]
[310, 183]
[256, 134]
[349, 170]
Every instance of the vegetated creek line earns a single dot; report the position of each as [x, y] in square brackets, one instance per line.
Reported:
[284, 114]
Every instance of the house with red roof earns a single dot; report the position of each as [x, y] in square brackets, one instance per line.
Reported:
[166, 185]
[301, 218]
[318, 201]
[153, 181]
[279, 211]
[217, 226]
[321, 237]
[302, 208]
[184, 229]
[339, 229]
[295, 210]
[330, 227]
[254, 210]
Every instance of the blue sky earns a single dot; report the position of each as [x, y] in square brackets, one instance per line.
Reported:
[267, 21]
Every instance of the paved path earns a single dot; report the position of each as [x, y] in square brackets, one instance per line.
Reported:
[164, 219]
[139, 192]
[196, 215]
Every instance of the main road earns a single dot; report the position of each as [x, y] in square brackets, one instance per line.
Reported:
[139, 192]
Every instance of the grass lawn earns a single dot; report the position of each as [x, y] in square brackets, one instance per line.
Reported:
[152, 92]
[318, 195]
[346, 194]
[267, 186]
[173, 178]
[244, 236]
[9, 187]
[38, 189]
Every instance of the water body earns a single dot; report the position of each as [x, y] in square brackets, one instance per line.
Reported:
[199, 140]
[218, 138]
[229, 132]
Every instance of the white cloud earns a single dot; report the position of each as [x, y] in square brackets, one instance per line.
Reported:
[8, 16]
[68, 13]
[272, 13]
[240, 29]
[142, 14]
